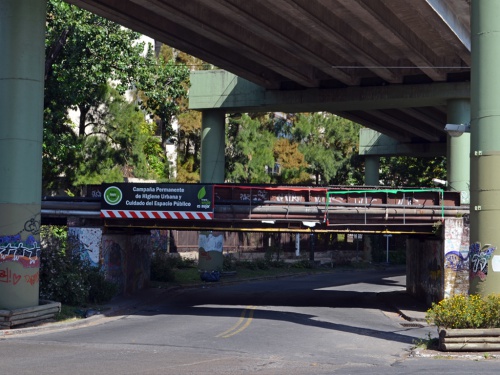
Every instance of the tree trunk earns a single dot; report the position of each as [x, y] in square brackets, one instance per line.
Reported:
[55, 50]
[82, 120]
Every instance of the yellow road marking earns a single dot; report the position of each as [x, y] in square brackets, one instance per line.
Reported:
[234, 329]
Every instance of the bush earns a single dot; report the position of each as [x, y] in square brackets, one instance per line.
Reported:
[466, 312]
[228, 263]
[66, 277]
[162, 267]
[303, 263]
[101, 290]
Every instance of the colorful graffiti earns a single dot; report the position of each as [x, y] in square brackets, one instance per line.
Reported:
[456, 256]
[456, 261]
[160, 240]
[25, 252]
[86, 242]
[479, 257]
[7, 276]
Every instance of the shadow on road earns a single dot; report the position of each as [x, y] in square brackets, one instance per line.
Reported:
[276, 300]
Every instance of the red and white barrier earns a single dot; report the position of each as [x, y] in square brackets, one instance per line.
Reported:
[171, 215]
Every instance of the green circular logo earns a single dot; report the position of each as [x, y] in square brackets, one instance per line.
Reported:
[113, 195]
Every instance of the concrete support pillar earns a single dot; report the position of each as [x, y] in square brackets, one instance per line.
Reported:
[212, 146]
[22, 44]
[372, 165]
[485, 148]
[213, 142]
[458, 150]
[126, 260]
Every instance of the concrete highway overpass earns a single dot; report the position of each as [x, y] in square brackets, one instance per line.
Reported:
[402, 68]
[390, 65]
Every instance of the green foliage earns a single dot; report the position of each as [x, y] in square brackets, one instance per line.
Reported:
[427, 343]
[303, 263]
[100, 289]
[248, 151]
[228, 263]
[165, 265]
[316, 146]
[462, 311]
[330, 146]
[188, 170]
[292, 162]
[84, 55]
[263, 264]
[161, 268]
[117, 144]
[411, 171]
[164, 86]
[66, 277]
[67, 313]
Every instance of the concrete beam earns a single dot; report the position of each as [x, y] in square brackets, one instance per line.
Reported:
[223, 90]
[449, 16]
[373, 143]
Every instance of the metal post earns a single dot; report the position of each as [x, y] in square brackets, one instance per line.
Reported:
[485, 146]
[311, 248]
[387, 236]
[297, 244]
[22, 44]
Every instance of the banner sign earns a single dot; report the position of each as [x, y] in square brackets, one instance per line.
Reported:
[157, 201]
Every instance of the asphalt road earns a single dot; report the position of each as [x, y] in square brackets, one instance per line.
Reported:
[317, 324]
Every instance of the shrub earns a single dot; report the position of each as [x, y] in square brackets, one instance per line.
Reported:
[228, 263]
[466, 312]
[162, 267]
[303, 263]
[66, 277]
[248, 264]
[100, 289]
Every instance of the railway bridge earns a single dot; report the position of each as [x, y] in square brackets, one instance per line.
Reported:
[116, 223]
[237, 207]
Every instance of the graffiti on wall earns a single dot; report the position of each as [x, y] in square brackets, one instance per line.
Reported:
[12, 248]
[86, 242]
[160, 239]
[113, 259]
[456, 256]
[479, 257]
[27, 253]
[7, 276]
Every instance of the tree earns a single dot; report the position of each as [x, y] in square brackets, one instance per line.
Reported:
[188, 137]
[188, 147]
[249, 150]
[292, 164]
[164, 86]
[84, 54]
[411, 171]
[115, 148]
[330, 147]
